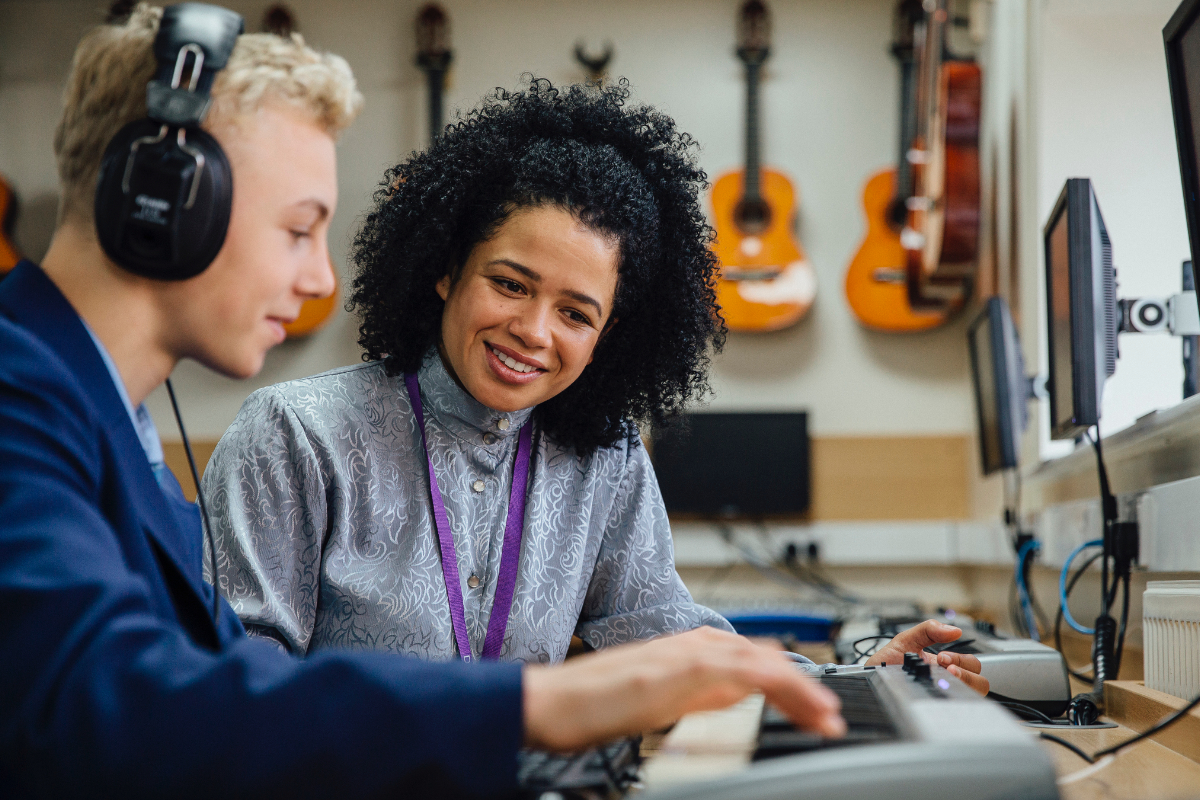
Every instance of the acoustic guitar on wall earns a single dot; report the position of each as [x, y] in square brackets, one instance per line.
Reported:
[434, 57]
[9, 254]
[279, 20]
[942, 234]
[766, 283]
[877, 278]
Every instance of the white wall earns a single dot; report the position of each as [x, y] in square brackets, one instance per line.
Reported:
[830, 105]
[1105, 114]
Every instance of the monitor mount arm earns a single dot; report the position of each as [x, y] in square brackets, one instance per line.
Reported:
[1177, 315]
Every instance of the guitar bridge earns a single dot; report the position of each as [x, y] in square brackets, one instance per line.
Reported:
[895, 275]
[751, 274]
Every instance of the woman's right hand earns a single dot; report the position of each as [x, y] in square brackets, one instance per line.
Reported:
[645, 686]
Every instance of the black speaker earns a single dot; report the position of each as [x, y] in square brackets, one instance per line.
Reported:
[165, 188]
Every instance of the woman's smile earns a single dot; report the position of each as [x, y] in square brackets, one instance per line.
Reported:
[511, 366]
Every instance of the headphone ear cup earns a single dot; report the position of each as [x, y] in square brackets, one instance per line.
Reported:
[148, 227]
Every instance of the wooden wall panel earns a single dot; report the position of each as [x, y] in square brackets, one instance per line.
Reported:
[176, 458]
[854, 477]
[891, 477]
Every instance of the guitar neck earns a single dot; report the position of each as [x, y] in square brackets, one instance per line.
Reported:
[908, 128]
[436, 80]
[753, 190]
[434, 56]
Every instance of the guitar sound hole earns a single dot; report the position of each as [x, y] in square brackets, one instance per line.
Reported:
[752, 216]
[897, 213]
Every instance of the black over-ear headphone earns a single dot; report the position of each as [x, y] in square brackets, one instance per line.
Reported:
[165, 187]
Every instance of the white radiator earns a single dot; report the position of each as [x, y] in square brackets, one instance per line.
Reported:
[1171, 637]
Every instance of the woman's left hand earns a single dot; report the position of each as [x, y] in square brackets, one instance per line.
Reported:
[963, 666]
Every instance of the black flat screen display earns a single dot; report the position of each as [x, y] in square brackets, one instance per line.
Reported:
[983, 365]
[729, 465]
[1058, 299]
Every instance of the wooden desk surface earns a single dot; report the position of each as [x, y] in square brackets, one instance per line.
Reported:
[1146, 770]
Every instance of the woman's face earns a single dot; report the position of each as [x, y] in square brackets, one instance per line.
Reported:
[524, 317]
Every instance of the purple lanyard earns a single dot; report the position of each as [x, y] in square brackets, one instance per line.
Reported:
[513, 528]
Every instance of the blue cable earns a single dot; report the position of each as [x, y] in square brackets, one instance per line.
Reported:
[1062, 586]
[1023, 590]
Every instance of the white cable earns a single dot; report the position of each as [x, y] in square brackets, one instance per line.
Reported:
[1088, 771]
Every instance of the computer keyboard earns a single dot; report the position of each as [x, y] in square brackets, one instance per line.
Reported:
[914, 731]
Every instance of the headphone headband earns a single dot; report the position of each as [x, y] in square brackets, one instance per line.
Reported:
[206, 33]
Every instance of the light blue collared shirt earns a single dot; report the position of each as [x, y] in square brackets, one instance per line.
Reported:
[143, 423]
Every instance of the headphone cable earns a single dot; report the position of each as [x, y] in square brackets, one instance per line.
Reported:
[208, 529]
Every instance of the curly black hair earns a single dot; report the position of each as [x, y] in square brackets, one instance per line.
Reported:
[626, 172]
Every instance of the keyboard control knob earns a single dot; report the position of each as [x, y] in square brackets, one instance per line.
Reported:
[921, 672]
[911, 660]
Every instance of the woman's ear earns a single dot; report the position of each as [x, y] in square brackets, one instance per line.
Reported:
[443, 287]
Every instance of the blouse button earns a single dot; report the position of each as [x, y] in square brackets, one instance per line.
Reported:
[473, 581]
[502, 424]
[489, 438]
[477, 486]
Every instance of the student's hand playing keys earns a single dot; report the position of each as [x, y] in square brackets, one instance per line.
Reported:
[646, 685]
[963, 666]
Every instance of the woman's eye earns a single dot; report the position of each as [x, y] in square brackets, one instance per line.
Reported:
[506, 284]
[578, 317]
[297, 235]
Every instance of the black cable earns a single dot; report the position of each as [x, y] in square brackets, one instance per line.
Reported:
[809, 574]
[861, 654]
[1165, 722]
[1012, 705]
[1108, 515]
[1049, 737]
[1124, 620]
[208, 529]
[1033, 601]
[1059, 617]
[771, 571]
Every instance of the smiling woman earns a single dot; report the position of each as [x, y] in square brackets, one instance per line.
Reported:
[522, 320]
[531, 288]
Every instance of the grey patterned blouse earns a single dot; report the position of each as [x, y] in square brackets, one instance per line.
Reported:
[319, 496]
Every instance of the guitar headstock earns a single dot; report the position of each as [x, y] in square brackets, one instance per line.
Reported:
[908, 15]
[279, 20]
[433, 37]
[754, 33]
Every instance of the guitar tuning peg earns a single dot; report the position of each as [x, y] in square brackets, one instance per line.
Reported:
[595, 65]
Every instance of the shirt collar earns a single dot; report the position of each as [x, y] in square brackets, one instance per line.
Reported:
[458, 411]
[143, 423]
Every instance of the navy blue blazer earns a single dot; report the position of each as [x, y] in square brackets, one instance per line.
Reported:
[114, 680]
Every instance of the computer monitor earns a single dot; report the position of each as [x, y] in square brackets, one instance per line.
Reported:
[734, 465]
[1181, 37]
[1002, 390]
[1081, 307]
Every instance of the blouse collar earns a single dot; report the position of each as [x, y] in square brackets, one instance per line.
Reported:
[458, 411]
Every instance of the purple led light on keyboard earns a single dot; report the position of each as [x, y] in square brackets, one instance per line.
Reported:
[943, 684]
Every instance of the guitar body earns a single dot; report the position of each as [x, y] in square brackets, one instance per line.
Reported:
[9, 256]
[876, 286]
[766, 281]
[313, 314]
[963, 87]
[942, 270]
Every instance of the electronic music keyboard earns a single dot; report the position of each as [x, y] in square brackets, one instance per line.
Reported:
[914, 731]
[1019, 670]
